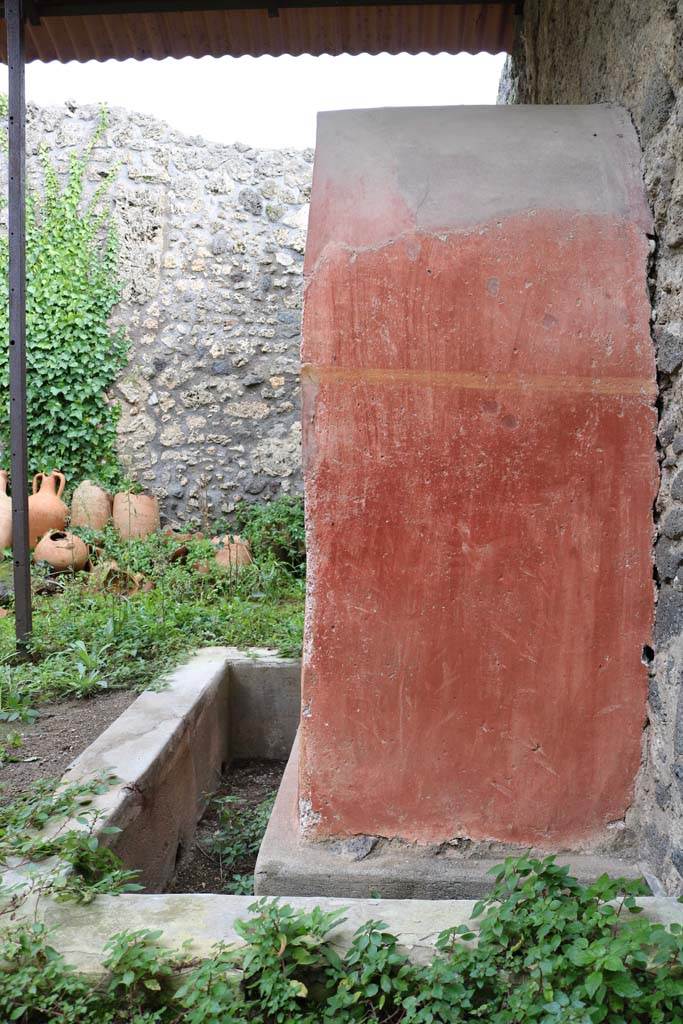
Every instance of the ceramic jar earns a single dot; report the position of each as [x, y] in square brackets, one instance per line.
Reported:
[5, 511]
[62, 551]
[90, 506]
[46, 510]
[135, 515]
[232, 551]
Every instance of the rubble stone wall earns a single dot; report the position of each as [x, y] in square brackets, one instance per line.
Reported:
[212, 240]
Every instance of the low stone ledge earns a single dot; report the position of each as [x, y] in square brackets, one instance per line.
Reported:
[167, 750]
[79, 933]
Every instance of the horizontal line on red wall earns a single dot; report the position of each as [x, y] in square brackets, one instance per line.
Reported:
[493, 380]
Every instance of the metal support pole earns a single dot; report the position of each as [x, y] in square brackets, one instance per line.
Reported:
[14, 17]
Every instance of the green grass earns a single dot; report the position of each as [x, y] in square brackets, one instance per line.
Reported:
[86, 641]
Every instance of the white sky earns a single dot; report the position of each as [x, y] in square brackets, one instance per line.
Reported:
[265, 101]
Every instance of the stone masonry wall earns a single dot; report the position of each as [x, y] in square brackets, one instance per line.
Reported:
[212, 241]
[631, 52]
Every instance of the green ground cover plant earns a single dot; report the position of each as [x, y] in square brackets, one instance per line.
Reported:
[89, 637]
[549, 950]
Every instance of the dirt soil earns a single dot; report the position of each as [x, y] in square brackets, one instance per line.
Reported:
[60, 733]
[252, 782]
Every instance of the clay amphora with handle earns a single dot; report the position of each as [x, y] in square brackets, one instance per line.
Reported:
[46, 510]
[5, 511]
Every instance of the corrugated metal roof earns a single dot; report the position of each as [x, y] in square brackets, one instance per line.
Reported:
[318, 29]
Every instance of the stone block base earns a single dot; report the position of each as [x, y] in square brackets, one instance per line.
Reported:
[366, 866]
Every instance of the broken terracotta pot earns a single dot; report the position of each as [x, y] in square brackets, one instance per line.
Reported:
[183, 537]
[232, 551]
[62, 551]
[110, 577]
[180, 554]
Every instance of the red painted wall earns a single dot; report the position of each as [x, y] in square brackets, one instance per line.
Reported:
[480, 470]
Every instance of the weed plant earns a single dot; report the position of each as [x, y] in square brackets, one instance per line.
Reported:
[275, 529]
[58, 829]
[73, 283]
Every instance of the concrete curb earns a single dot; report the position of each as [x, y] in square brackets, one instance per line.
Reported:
[79, 933]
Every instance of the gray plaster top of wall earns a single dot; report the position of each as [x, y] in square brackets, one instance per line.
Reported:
[579, 158]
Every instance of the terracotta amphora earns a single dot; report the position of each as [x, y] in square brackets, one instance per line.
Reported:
[90, 506]
[62, 551]
[135, 515]
[232, 551]
[5, 511]
[46, 510]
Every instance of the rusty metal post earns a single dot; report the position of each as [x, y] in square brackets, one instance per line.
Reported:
[14, 18]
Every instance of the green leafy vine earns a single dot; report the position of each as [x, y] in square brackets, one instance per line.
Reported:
[73, 354]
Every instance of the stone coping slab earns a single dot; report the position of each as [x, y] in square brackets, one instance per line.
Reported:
[358, 867]
[79, 933]
[152, 728]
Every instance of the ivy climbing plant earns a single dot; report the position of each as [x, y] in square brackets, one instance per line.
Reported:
[73, 354]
